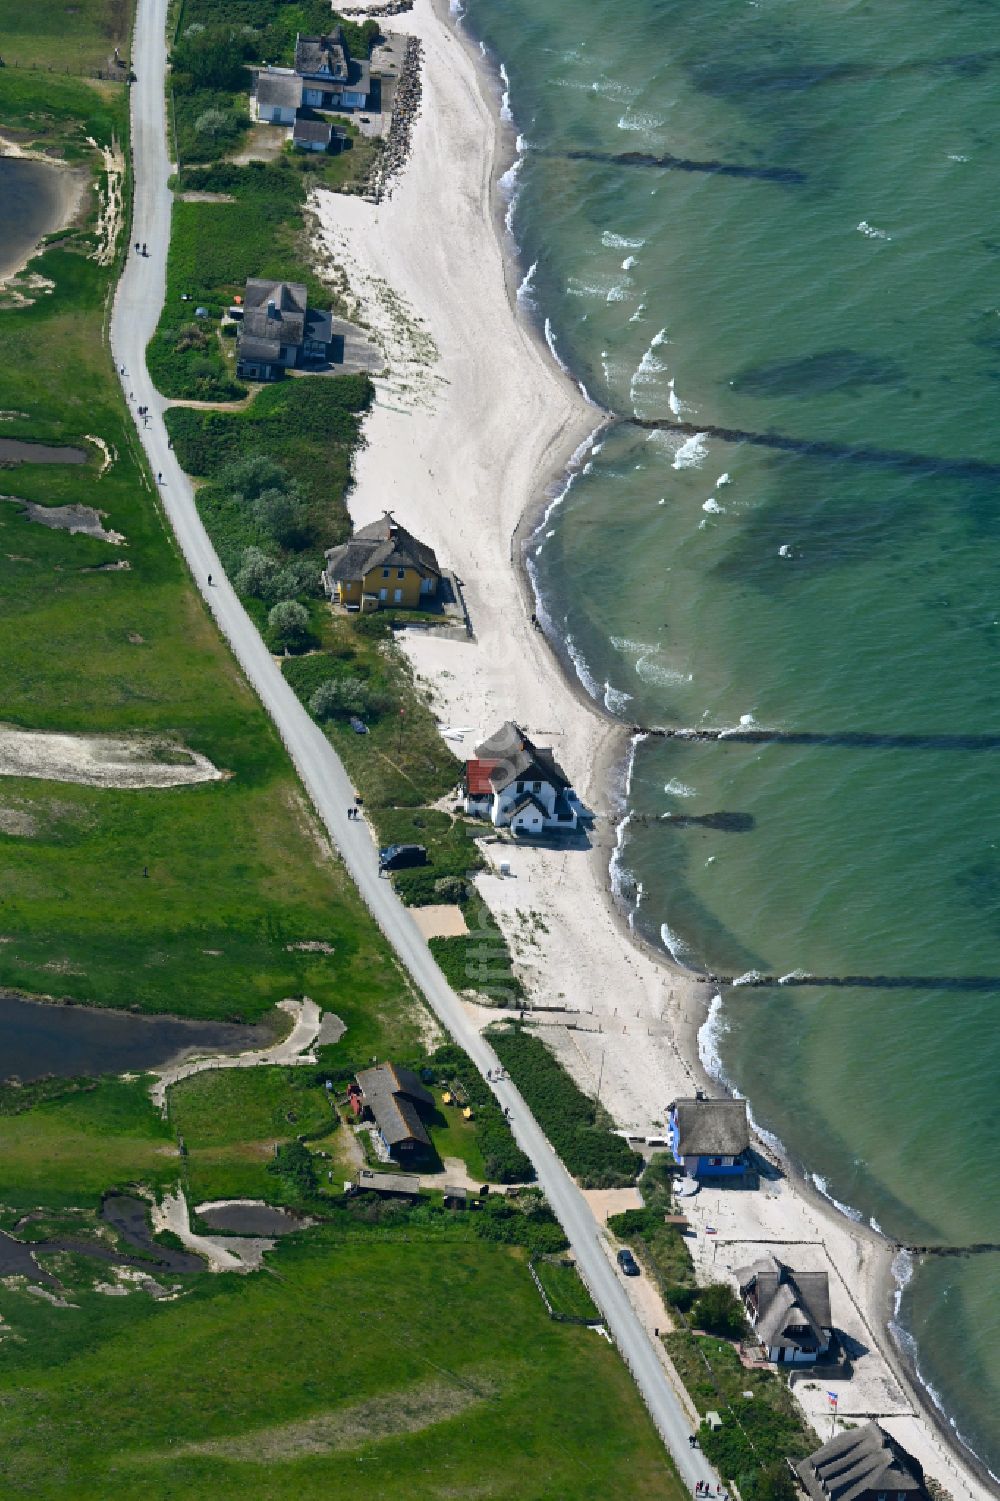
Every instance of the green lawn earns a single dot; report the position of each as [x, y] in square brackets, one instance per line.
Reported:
[230, 1121]
[71, 1149]
[411, 1368]
[565, 1289]
[237, 871]
[453, 1136]
[72, 38]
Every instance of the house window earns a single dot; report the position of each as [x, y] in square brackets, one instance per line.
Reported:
[385, 573]
[401, 573]
[397, 595]
[383, 594]
[536, 786]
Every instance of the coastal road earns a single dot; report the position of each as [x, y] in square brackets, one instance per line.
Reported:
[136, 311]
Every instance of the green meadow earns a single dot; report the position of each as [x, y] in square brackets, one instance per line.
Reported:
[397, 1365]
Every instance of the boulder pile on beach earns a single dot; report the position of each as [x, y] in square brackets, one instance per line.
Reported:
[405, 108]
[391, 8]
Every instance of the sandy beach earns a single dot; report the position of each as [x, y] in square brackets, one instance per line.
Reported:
[468, 442]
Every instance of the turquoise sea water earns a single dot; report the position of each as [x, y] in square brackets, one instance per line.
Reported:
[819, 264]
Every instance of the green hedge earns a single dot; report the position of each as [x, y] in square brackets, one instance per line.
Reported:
[569, 1118]
[480, 961]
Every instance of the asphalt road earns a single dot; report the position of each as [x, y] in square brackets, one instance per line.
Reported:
[136, 311]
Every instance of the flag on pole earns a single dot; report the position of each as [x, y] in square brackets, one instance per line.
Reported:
[832, 1398]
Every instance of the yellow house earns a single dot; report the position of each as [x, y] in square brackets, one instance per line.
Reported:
[382, 565]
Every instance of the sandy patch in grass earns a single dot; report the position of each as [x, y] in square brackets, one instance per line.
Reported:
[17, 822]
[360, 1423]
[442, 921]
[72, 519]
[101, 760]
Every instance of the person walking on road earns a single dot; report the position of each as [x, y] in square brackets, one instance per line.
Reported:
[210, 581]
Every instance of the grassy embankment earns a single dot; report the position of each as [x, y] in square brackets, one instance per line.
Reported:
[403, 1364]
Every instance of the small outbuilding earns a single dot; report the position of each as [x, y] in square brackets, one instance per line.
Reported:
[311, 135]
[277, 96]
[390, 1185]
[862, 1464]
[710, 1138]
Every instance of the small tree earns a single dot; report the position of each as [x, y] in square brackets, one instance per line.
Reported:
[288, 626]
[257, 574]
[281, 513]
[247, 478]
[340, 697]
[719, 1310]
[215, 124]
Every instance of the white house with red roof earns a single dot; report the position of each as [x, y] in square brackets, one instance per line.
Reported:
[519, 785]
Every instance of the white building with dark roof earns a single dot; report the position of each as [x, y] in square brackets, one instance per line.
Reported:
[519, 785]
[789, 1311]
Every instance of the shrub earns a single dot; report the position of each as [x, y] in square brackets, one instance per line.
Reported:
[216, 124]
[257, 574]
[281, 514]
[340, 697]
[450, 889]
[527, 1221]
[250, 477]
[288, 626]
[569, 1118]
[718, 1310]
[772, 1483]
[293, 1162]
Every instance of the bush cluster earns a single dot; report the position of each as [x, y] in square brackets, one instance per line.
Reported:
[526, 1221]
[569, 1118]
[293, 1163]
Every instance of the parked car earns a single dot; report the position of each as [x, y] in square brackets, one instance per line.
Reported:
[401, 856]
[628, 1263]
[358, 725]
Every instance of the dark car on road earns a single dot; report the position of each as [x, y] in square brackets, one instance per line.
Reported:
[628, 1263]
[401, 856]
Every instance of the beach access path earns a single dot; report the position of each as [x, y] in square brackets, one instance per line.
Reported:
[137, 307]
[473, 421]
